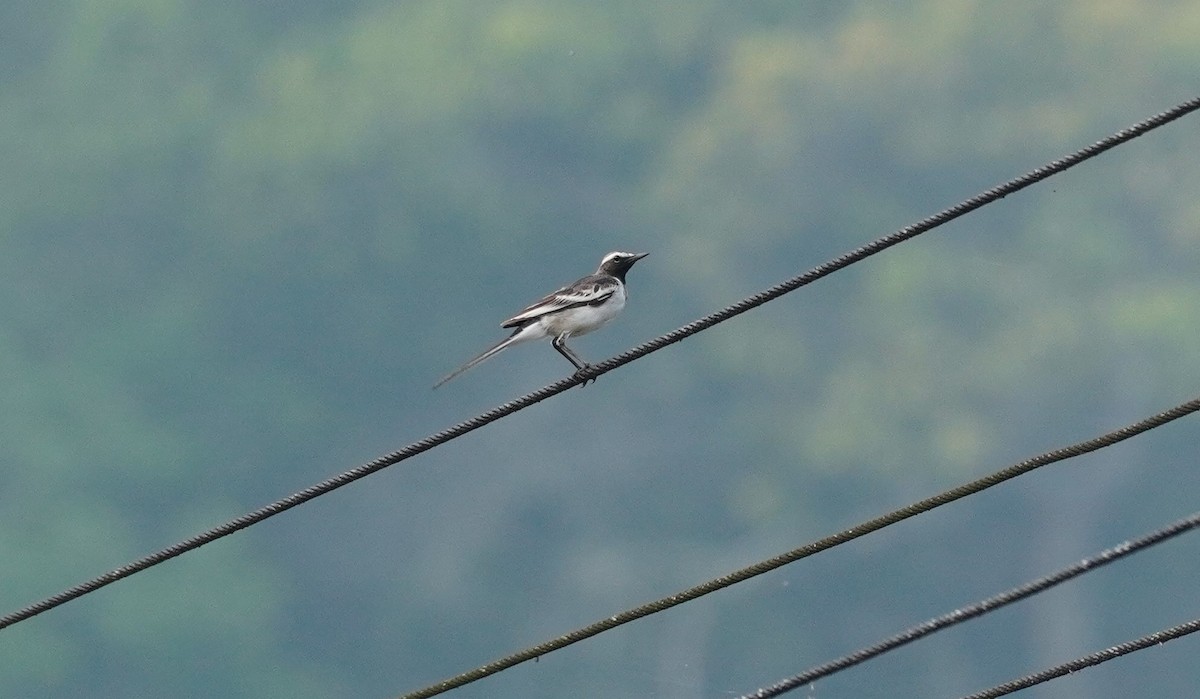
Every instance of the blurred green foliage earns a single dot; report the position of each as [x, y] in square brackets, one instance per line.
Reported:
[239, 241]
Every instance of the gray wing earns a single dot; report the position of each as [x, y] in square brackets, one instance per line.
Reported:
[590, 290]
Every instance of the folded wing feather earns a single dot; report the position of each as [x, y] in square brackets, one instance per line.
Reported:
[585, 292]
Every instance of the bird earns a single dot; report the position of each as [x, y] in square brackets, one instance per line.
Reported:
[574, 310]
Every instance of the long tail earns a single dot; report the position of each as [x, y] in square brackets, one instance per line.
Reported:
[483, 356]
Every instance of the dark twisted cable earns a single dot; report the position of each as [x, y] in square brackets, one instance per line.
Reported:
[1155, 639]
[462, 428]
[807, 550]
[978, 609]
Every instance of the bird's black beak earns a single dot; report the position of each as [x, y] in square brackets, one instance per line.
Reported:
[637, 257]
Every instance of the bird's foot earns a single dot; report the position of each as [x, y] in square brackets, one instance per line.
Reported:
[581, 374]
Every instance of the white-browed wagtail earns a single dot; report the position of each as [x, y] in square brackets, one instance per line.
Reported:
[571, 311]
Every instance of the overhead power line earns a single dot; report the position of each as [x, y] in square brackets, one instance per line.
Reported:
[807, 550]
[1154, 639]
[978, 609]
[462, 428]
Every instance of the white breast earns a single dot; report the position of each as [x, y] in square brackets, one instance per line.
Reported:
[584, 319]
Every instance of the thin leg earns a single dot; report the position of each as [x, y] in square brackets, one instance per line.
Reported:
[560, 344]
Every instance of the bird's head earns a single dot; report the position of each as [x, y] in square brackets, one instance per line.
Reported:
[618, 263]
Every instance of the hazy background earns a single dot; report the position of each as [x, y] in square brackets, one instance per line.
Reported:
[239, 241]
